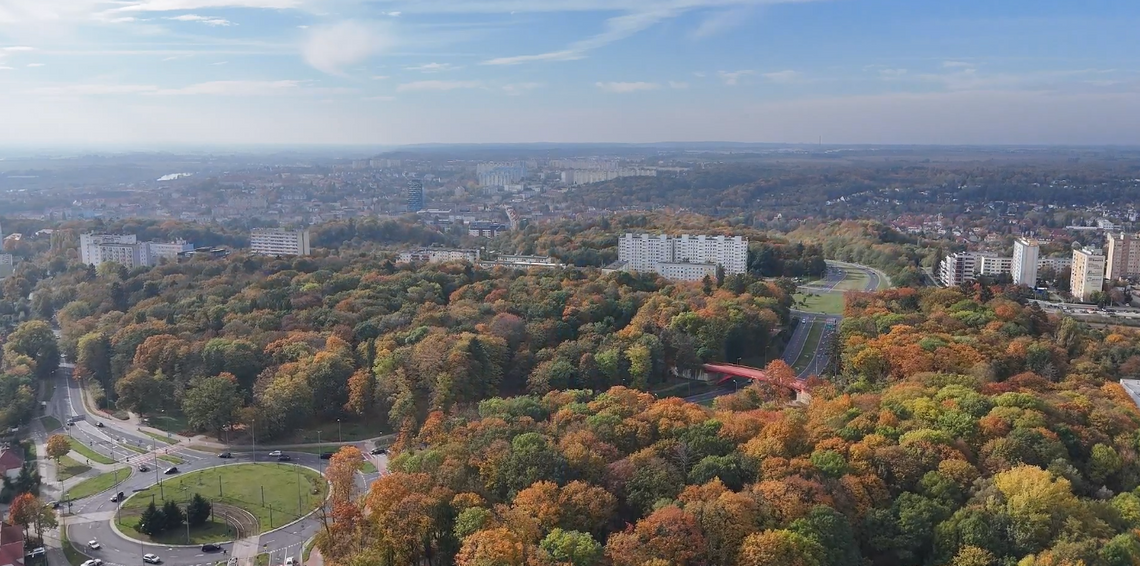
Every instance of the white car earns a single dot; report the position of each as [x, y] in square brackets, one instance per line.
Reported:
[275, 453]
[290, 561]
[94, 545]
[93, 562]
[151, 559]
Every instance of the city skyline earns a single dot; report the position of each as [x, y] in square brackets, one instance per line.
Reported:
[140, 72]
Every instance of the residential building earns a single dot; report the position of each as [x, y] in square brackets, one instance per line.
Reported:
[1088, 273]
[1056, 263]
[128, 255]
[497, 174]
[7, 266]
[522, 261]
[1025, 262]
[958, 268]
[89, 244]
[11, 462]
[992, 266]
[273, 241]
[684, 257]
[1123, 256]
[486, 229]
[169, 250]
[415, 195]
[11, 545]
[437, 255]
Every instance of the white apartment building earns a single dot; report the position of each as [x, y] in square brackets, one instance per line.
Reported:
[7, 265]
[1088, 273]
[960, 267]
[169, 250]
[127, 255]
[89, 245]
[1057, 263]
[1123, 256]
[685, 257]
[587, 176]
[439, 255]
[993, 266]
[1025, 262]
[273, 241]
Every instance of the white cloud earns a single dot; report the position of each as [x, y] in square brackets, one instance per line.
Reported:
[393, 14]
[722, 21]
[892, 73]
[35, 64]
[91, 90]
[733, 78]
[678, 85]
[380, 98]
[567, 55]
[235, 88]
[782, 77]
[380, 77]
[212, 88]
[210, 21]
[699, 75]
[220, 63]
[2, 68]
[438, 85]
[957, 65]
[332, 48]
[623, 88]
[516, 89]
[432, 67]
[176, 5]
[18, 48]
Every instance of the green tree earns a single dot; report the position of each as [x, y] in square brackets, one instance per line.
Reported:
[212, 404]
[140, 392]
[172, 515]
[572, 547]
[833, 532]
[198, 511]
[93, 358]
[35, 340]
[152, 521]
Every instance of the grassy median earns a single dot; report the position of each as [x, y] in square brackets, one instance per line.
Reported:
[99, 483]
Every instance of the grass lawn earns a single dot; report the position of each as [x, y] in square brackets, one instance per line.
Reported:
[69, 468]
[172, 423]
[368, 467]
[810, 344]
[854, 281]
[241, 485]
[49, 389]
[133, 448]
[51, 423]
[171, 459]
[347, 432]
[88, 452]
[826, 303]
[163, 438]
[99, 483]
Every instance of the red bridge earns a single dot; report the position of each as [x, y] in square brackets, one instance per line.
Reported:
[730, 371]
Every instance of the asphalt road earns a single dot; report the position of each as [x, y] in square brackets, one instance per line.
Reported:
[91, 517]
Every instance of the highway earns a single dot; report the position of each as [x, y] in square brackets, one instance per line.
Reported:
[836, 274]
[91, 518]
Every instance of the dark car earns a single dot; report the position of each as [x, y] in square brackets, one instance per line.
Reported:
[326, 455]
[379, 451]
[211, 548]
[171, 470]
[118, 497]
[144, 468]
[225, 455]
[283, 458]
[99, 424]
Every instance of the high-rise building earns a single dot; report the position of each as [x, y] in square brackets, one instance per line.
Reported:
[496, 174]
[90, 244]
[169, 250]
[415, 195]
[992, 266]
[7, 262]
[957, 268]
[1024, 266]
[1088, 273]
[685, 257]
[1123, 256]
[272, 241]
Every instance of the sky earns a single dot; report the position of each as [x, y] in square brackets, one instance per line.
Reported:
[149, 73]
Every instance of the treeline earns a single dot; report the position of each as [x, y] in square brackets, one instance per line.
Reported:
[961, 430]
[869, 243]
[280, 344]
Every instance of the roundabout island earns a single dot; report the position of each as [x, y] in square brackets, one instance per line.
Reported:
[254, 508]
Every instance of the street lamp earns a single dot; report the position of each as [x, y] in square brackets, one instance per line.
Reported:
[339, 436]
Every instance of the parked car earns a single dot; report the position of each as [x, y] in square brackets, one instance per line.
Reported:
[93, 562]
[275, 453]
[171, 470]
[225, 455]
[284, 458]
[94, 545]
[151, 559]
[211, 548]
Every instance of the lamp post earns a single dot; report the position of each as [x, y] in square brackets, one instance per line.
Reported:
[339, 436]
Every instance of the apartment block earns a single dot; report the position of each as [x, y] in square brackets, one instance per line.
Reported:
[1088, 273]
[992, 266]
[90, 244]
[958, 268]
[272, 241]
[1024, 263]
[684, 257]
[438, 255]
[7, 266]
[1123, 259]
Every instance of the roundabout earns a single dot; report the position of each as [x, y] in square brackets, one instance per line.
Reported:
[256, 506]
